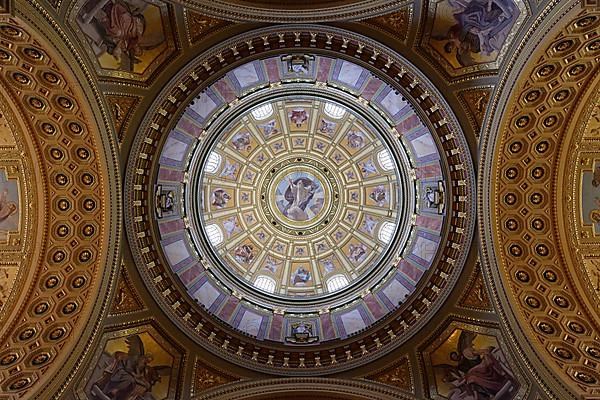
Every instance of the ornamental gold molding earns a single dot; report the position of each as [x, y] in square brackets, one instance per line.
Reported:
[56, 308]
[536, 271]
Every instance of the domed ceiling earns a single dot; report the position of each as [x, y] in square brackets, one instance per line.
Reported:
[299, 199]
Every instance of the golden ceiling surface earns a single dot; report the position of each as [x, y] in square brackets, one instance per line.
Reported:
[258, 200]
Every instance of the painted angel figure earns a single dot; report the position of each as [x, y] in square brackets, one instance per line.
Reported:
[128, 376]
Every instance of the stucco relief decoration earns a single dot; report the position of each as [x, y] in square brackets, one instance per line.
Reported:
[134, 364]
[470, 35]
[468, 363]
[200, 25]
[126, 38]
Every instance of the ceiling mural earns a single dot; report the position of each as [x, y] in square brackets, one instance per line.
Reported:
[126, 39]
[468, 36]
[299, 200]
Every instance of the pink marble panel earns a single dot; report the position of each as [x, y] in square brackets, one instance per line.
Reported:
[228, 309]
[166, 174]
[429, 222]
[374, 306]
[170, 226]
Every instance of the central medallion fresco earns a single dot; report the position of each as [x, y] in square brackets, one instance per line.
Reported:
[300, 196]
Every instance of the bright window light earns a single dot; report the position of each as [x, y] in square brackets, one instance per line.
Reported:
[213, 162]
[336, 282]
[386, 232]
[265, 283]
[334, 111]
[385, 160]
[262, 112]
[215, 236]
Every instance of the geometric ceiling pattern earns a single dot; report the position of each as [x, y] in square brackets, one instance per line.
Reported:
[340, 199]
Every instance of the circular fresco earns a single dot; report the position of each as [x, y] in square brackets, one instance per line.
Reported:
[300, 197]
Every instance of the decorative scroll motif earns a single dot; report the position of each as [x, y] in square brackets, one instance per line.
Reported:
[529, 189]
[75, 231]
[199, 26]
[476, 295]
[399, 375]
[205, 378]
[126, 299]
[396, 23]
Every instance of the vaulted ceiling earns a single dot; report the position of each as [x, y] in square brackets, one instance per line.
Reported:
[339, 199]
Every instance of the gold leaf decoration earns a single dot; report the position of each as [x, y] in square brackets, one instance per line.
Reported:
[476, 295]
[399, 376]
[200, 25]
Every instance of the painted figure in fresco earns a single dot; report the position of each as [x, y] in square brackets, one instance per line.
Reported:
[269, 128]
[272, 265]
[327, 127]
[128, 376]
[357, 252]
[244, 253]
[231, 226]
[119, 28]
[301, 276]
[298, 195]
[356, 140]
[7, 208]
[298, 117]
[230, 170]
[481, 27]
[328, 266]
[367, 168]
[379, 195]
[220, 198]
[241, 141]
[478, 374]
[369, 224]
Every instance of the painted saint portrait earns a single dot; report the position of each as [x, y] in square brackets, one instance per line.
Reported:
[231, 226]
[379, 195]
[9, 203]
[327, 127]
[471, 366]
[241, 141]
[356, 140]
[469, 32]
[125, 35]
[244, 253]
[133, 367]
[219, 198]
[300, 276]
[272, 264]
[357, 253]
[269, 129]
[230, 170]
[300, 196]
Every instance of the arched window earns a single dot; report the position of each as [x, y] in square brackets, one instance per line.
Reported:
[334, 111]
[212, 163]
[385, 160]
[215, 236]
[262, 112]
[386, 232]
[265, 283]
[336, 282]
